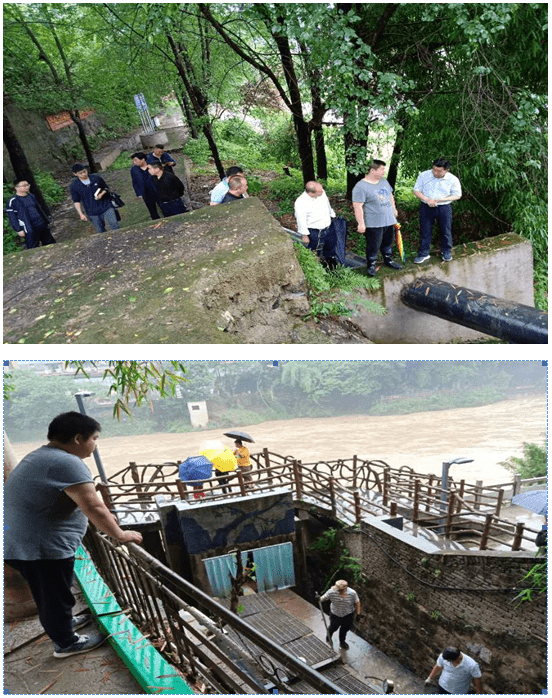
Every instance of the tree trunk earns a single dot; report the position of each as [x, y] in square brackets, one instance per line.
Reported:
[75, 116]
[351, 145]
[321, 160]
[19, 162]
[397, 149]
[189, 116]
[197, 98]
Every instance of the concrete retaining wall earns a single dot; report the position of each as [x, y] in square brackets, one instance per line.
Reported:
[501, 266]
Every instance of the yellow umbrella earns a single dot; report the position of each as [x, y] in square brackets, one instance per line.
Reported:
[400, 242]
[223, 459]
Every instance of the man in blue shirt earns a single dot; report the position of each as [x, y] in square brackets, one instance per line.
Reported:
[220, 191]
[27, 217]
[436, 189]
[159, 154]
[143, 184]
[91, 193]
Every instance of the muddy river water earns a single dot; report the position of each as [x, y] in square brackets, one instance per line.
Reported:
[488, 435]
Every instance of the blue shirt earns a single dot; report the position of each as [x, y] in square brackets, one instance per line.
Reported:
[438, 188]
[84, 194]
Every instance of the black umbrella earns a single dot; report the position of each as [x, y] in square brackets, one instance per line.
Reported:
[241, 435]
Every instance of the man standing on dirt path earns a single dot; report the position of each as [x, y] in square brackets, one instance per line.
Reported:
[314, 214]
[220, 191]
[456, 671]
[143, 184]
[89, 191]
[27, 217]
[48, 500]
[376, 215]
[169, 190]
[159, 154]
[344, 604]
[437, 189]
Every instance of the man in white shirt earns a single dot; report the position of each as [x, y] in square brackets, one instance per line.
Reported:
[436, 189]
[314, 217]
[456, 671]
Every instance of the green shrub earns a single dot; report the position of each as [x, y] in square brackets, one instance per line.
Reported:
[534, 462]
[285, 190]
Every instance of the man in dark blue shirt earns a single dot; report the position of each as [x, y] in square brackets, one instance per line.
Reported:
[237, 189]
[164, 158]
[143, 183]
[91, 193]
[27, 217]
[169, 190]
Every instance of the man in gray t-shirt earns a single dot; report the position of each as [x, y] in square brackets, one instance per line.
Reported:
[48, 500]
[376, 215]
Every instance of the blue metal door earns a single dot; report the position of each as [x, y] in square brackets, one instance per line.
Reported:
[273, 568]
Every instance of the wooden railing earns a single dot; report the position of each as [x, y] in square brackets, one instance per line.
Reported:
[351, 489]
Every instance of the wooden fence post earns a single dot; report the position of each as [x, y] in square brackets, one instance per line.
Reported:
[358, 514]
[451, 503]
[516, 545]
[241, 481]
[104, 491]
[297, 478]
[354, 472]
[182, 489]
[478, 489]
[499, 502]
[486, 532]
[516, 485]
[385, 486]
[332, 496]
[416, 500]
[460, 496]
[393, 509]
[266, 457]
[429, 492]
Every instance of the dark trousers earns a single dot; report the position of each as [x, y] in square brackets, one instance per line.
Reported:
[379, 239]
[50, 583]
[344, 623]
[322, 242]
[443, 216]
[37, 236]
[151, 203]
[442, 690]
[223, 477]
[171, 208]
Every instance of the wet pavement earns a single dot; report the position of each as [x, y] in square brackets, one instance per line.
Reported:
[31, 668]
[363, 659]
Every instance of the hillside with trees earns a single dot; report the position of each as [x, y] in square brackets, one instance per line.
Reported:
[325, 87]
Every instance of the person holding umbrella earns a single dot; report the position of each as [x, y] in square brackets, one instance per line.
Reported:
[242, 454]
[194, 471]
[224, 462]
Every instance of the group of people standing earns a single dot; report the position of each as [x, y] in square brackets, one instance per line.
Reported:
[376, 213]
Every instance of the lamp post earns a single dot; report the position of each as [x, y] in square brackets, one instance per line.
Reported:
[80, 402]
[444, 485]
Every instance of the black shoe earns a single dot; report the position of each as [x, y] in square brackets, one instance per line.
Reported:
[344, 645]
[83, 643]
[371, 269]
[390, 263]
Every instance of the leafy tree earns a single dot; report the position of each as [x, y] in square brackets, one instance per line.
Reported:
[534, 462]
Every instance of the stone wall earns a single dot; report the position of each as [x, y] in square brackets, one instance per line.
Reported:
[419, 599]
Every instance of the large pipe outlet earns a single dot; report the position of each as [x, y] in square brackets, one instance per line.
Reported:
[512, 322]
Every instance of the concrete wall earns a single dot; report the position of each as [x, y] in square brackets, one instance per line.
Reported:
[501, 266]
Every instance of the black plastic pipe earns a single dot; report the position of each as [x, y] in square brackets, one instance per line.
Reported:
[512, 322]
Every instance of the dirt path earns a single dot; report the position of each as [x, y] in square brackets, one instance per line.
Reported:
[488, 434]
